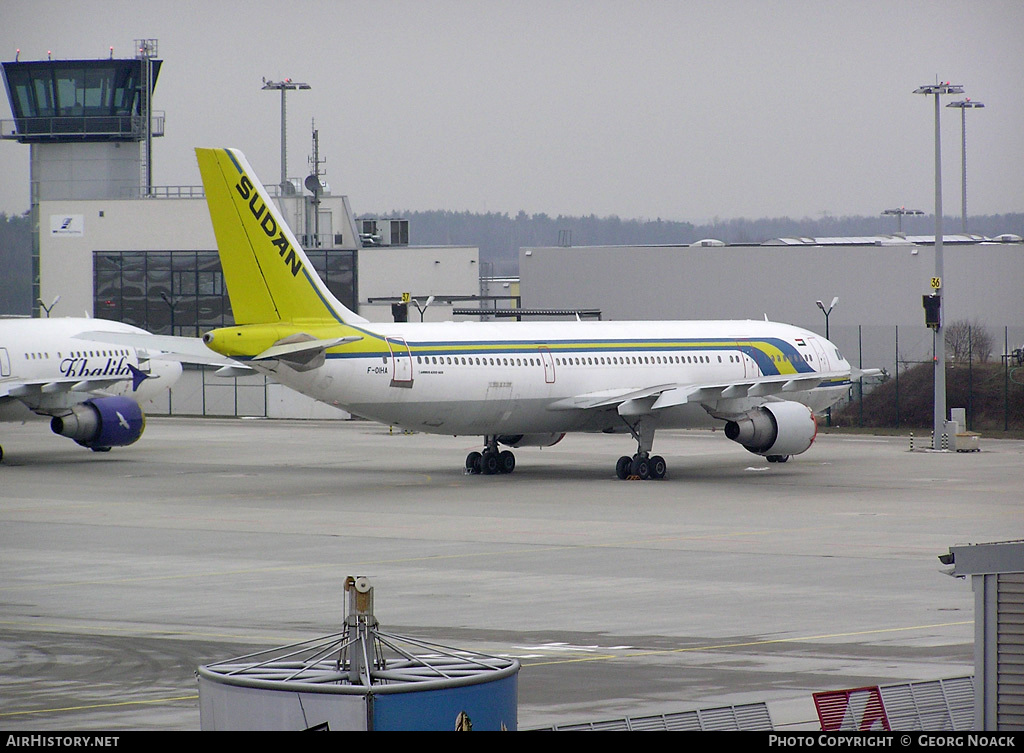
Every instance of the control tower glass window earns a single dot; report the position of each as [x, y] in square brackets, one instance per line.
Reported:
[83, 99]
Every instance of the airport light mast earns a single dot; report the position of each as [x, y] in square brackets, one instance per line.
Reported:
[826, 312]
[899, 212]
[939, 408]
[964, 105]
[284, 87]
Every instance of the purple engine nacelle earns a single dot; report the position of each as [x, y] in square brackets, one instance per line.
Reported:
[102, 423]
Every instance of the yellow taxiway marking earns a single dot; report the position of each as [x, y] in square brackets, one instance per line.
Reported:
[111, 705]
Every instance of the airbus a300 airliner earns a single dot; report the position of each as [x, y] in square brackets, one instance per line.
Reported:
[90, 391]
[513, 383]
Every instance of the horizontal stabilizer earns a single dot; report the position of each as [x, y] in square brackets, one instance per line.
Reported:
[293, 351]
[234, 371]
[302, 352]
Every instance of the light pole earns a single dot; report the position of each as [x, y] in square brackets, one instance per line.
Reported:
[284, 87]
[964, 105]
[939, 409]
[422, 309]
[46, 308]
[826, 312]
[899, 212]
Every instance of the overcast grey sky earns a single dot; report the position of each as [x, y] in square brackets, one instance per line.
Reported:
[683, 110]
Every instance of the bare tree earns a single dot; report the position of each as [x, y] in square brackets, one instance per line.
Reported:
[967, 340]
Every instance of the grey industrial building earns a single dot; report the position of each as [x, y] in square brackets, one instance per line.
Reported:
[879, 281]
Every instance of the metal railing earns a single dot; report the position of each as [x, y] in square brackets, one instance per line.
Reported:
[60, 127]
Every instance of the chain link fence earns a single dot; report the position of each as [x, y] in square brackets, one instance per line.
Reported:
[984, 375]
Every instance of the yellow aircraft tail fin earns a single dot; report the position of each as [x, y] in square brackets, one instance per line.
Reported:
[268, 275]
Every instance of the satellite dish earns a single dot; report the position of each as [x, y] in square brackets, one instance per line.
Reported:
[313, 185]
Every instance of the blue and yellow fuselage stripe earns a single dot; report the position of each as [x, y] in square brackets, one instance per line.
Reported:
[772, 356]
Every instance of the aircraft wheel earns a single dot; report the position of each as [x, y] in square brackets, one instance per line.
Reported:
[1, 454]
[641, 467]
[473, 461]
[658, 467]
[489, 463]
[506, 461]
[623, 466]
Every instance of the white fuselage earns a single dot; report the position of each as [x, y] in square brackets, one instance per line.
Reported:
[530, 378]
[45, 368]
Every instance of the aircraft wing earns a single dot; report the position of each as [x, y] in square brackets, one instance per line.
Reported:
[21, 388]
[301, 352]
[607, 398]
[658, 397]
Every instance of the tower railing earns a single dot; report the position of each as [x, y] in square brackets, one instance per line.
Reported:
[86, 127]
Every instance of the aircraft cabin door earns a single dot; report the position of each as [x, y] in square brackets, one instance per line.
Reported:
[5, 363]
[401, 362]
[819, 351]
[549, 365]
[750, 368]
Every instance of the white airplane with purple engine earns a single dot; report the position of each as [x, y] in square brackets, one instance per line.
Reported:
[89, 390]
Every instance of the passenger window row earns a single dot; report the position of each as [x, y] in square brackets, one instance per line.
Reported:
[568, 361]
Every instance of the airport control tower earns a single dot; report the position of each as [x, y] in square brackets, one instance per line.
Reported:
[90, 127]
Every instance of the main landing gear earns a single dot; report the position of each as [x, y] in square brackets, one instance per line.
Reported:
[642, 465]
[490, 461]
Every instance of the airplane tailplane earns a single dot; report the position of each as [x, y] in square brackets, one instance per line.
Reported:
[268, 275]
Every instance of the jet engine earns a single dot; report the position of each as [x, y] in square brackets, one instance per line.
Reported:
[530, 440]
[102, 423]
[775, 430]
